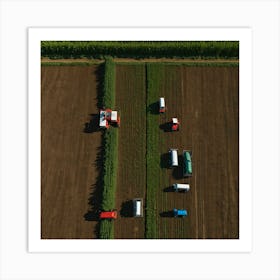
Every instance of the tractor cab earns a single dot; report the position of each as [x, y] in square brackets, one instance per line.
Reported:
[180, 212]
[108, 117]
[175, 124]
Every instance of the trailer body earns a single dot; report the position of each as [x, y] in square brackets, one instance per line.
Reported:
[181, 187]
[108, 214]
[138, 207]
[173, 158]
[161, 105]
[187, 163]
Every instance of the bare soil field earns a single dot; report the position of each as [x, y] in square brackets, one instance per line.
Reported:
[205, 99]
[70, 152]
[131, 181]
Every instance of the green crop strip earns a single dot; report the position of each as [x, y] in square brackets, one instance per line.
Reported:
[110, 142]
[154, 78]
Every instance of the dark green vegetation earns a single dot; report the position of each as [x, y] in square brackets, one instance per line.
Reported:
[131, 179]
[110, 142]
[154, 79]
[140, 49]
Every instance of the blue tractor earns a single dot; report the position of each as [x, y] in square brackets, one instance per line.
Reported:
[180, 212]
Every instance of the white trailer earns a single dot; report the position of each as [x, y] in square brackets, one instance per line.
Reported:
[181, 187]
[138, 207]
[161, 105]
[173, 157]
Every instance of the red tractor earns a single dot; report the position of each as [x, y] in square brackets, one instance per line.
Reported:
[175, 124]
[108, 215]
[107, 117]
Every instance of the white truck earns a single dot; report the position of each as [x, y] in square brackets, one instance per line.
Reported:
[181, 187]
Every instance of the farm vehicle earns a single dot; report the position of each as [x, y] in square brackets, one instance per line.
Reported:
[180, 212]
[174, 124]
[108, 214]
[181, 187]
[161, 105]
[187, 163]
[108, 117]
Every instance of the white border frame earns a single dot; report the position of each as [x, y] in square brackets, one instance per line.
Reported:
[243, 35]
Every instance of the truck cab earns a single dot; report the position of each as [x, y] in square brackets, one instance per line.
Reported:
[180, 212]
[175, 124]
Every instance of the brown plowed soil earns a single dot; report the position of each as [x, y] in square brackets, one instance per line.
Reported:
[205, 99]
[70, 152]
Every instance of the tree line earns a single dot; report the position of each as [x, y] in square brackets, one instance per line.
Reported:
[140, 49]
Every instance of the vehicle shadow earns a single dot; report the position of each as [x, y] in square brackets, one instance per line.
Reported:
[177, 172]
[153, 108]
[93, 124]
[167, 214]
[165, 160]
[127, 209]
[166, 127]
[168, 189]
[95, 198]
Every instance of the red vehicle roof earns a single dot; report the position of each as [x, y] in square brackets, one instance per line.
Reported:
[108, 215]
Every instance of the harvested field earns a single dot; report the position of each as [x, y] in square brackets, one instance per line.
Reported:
[131, 181]
[205, 99]
[70, 152]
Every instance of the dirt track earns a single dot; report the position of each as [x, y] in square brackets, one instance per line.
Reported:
[69, 163]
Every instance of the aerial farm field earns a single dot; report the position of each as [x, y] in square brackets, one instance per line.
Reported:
[90, 172]
[70, 152]
[205, 100]
[131, 181]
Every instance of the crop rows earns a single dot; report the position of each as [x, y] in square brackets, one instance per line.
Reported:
[154, 79]
[110, 142]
